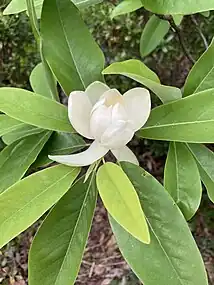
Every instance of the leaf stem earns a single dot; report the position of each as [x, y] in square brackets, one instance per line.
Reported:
[178, 31]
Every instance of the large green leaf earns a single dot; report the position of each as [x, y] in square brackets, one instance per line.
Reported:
[178, 7]
[182, 179]
[57, 249]
[27, 200]
[18, 6]
[8, 124]
[126, 6]
[75, 60]
[153, 33]
[39, 81]
[172, 257]
[34, 109]
[205, 160]
[59, 144]
[121, 200]
[16, 158]
[187, 120]
[21, 131]
[139, 72]
[201, 75]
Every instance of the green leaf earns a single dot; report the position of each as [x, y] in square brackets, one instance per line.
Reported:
[201, 75]
[206, 14]
[21, 131]
[57, 249]
[34, 109]
[178, 7]
[27, 200]
[186, 120]
[18, 6]
[39, 82]
[59, 144]
[79, 57]
[126, 6]
[205, 161]
[16, 158]
[8, 124]
[177, 19]
[172, 256]
[121, 200]
[153, 33]
[182, 179]
[139, 72]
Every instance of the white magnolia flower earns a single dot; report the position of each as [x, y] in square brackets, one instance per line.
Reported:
[107, 117]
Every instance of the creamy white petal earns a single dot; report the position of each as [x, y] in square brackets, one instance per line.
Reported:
[138, 106]
[95, 90]
[92, 154]
[119, 113]
[112, 97]
[79, 111]
[117, 135]
[100, 121]
[125, 154]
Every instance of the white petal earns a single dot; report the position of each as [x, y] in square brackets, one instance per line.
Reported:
[117, 135]
[100, 121]
[95, 90]
[125, 154]
[112, 97]
[138, 106]
[79, 111]
[119, 113]
[92, 154]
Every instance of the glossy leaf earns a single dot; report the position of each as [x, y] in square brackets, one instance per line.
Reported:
[178, 7]
[172, 257]
[186, 120]
[205, 160]
[16, 158]
[139, 72]
[39, 82]
[64, 47]
[58, 247]
[121, 200]
[153, 33]
[34, 109]
[182, 179]
[21, 131]
[126, 6]
[59, 143]
[201, 75]
[18, 6]
[27, 200]
[8, 124]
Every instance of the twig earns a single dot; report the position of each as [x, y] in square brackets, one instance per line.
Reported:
[178, 31]
[206, 45]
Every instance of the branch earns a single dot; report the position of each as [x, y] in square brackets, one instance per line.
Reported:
[178, 31]
[206, 45]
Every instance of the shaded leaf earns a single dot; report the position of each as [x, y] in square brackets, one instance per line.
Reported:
[63, 46]
[126, 6]
[8, 124]
[16, 158]
[58, 247]
[172, 257]
[205, 160]
[27, 200]
[182, 179]
[153, 33]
